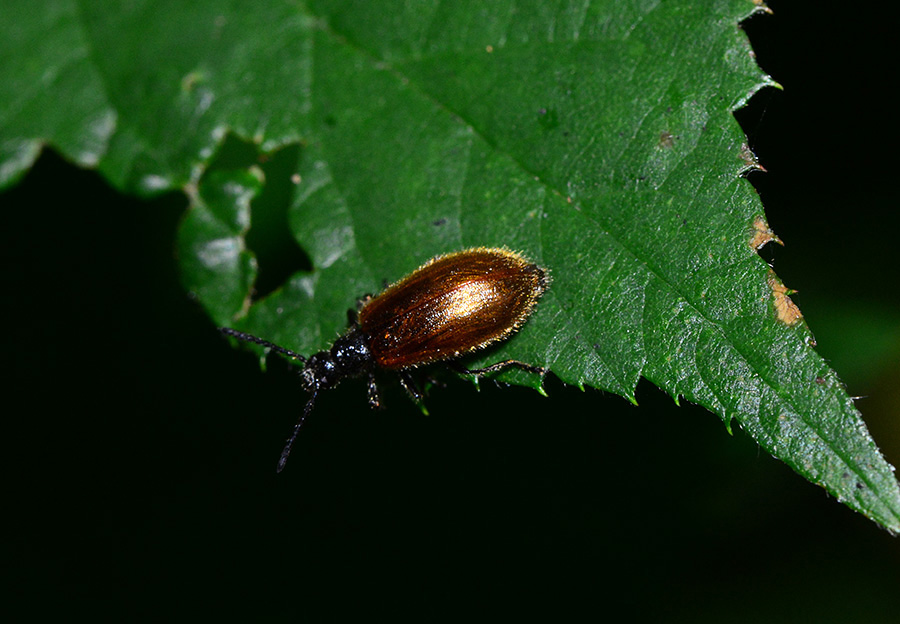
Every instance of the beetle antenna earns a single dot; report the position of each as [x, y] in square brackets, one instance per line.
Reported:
[269, 345]
[290, 441]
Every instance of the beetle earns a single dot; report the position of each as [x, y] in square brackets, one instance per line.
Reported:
[452, 305]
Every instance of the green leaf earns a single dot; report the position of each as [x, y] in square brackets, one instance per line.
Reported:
[50, 90]
[596, 138]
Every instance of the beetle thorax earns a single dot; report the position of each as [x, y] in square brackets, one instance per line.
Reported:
[349, 356]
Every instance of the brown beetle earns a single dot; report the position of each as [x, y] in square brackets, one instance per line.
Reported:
[452, 305]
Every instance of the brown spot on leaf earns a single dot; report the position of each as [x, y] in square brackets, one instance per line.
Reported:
[666, 139]
[787, 310]
[763, 234]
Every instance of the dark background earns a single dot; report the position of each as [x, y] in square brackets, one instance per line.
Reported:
[143, 447]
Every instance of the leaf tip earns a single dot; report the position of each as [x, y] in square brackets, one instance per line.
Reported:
[750, 160]
[726, 419]
[762, 234]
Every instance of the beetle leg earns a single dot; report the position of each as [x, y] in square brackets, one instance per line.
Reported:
[411, 386]
[374, 395]
[493, 368]
[362, 301]
[353, 313]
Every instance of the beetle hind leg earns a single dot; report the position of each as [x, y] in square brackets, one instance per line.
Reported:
[499, 366]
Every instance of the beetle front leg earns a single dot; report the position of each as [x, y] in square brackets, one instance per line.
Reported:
[374, 394]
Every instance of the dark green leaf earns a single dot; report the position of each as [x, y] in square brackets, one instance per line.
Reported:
[597, 138]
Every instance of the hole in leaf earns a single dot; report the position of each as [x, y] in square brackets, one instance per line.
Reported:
[278, 255]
